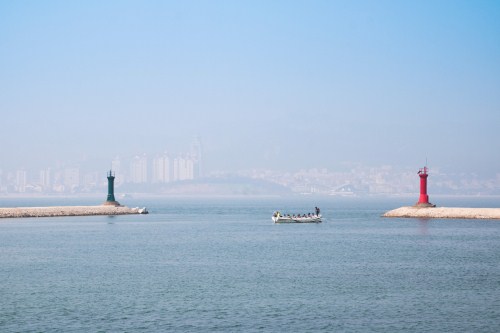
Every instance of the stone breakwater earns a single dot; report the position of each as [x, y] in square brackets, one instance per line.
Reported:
[445, 213]
[67, 211]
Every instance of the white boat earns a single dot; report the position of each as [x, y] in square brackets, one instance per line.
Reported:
[279, 218]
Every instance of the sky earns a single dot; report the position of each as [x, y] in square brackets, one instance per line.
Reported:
[280, 85]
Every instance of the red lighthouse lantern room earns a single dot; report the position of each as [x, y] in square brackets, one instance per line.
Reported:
[423, 200]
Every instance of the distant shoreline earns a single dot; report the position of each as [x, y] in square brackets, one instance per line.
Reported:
[133, 195]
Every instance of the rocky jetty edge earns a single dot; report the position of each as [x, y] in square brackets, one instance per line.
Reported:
[69, 211]
[444, 213]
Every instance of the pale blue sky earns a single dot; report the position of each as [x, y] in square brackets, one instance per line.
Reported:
[273, 84]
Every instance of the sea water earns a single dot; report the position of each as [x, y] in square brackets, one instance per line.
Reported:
[221, 265]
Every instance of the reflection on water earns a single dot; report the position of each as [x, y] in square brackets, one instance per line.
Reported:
[424, 228]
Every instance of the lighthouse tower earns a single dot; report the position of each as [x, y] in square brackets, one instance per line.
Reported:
[423, 200]
[110, 201]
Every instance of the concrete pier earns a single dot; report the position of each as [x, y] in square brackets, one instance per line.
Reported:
[68, 211]
[444, 213]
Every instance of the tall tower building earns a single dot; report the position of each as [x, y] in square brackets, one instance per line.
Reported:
[197, 155]
[178, 165]
[189, 169]
[21, 180]
[139, 169]
[161, 169]
[45, 180]
[116, 166]
[183, 168]
[71, 178]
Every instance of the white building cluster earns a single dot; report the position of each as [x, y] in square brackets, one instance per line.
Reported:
[140, 169]
[161, 168]
[60, 180]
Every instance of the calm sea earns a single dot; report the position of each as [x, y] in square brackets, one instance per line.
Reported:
[221, 265]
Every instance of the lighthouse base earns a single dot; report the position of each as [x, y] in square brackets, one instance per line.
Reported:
[424, 204]
[111, 203]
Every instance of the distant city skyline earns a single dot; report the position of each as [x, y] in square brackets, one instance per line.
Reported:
[161, 174]
[137, 169]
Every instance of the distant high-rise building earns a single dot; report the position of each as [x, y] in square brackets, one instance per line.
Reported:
[91, 180]
[161, 169]
[197, 154]
[139, 169]
[116, 166]
[21, 180]
[45, 181]
[183, 168]
[71, 178]
[189, 169]
[178, 163]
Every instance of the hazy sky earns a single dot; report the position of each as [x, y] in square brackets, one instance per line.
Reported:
[265, 84]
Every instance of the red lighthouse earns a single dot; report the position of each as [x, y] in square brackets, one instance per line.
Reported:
[423, 200]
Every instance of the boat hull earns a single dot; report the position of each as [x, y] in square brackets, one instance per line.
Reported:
[285, 219]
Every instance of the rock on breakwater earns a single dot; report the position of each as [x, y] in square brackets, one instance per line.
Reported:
[444, 212]
[67, 211]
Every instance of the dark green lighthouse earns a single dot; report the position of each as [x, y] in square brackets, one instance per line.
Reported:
[111, 190]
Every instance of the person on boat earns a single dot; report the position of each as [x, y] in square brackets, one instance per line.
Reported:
[317, 211]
